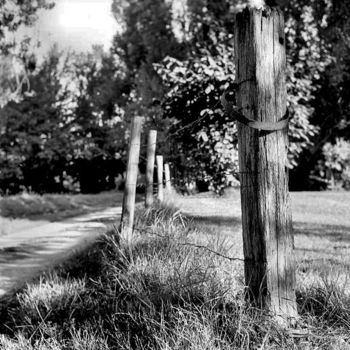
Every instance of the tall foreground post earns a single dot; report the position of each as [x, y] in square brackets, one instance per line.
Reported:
[128, 210]
[266, 215]
[151, 154]
[160, 195]
[167, 176]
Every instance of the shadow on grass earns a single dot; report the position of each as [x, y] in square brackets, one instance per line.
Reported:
[217, 220]
[324, 266]
[334, 233]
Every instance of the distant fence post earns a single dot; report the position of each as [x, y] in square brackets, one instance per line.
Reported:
[128, 210]
[160, 195]
[151, 153]
[266, 214]
[167, 176]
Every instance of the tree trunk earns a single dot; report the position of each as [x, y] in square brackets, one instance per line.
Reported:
[128, 210]
[266, 213]
[151, 153]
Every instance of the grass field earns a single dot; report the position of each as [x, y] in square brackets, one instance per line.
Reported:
[321, 222]
[175, 288]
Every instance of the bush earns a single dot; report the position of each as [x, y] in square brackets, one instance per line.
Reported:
[334, 168]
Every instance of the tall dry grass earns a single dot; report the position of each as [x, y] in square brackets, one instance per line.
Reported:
[174, 288]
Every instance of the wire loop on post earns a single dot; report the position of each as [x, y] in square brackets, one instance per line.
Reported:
[251, 123]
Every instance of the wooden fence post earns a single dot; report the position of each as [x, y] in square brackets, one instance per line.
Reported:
[160, 178]
[128, 210]
[167, 176]
[266, 214]
[151, 153]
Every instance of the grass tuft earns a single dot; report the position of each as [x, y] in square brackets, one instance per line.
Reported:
[172, 288]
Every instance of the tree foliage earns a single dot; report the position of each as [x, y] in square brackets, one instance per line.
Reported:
[170, 64]
[30, 136]
[14, 13]
[333, 168]
[195, 85]
[66, 134]
[147, 38]
[15, 59]
[204, 142]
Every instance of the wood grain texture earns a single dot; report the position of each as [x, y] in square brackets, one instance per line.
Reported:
[266, 214]
[151, 155]
[128, 210]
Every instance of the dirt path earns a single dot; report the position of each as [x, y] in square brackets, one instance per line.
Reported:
[34, 248]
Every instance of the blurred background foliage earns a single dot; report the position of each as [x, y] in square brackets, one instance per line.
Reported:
[64, 121]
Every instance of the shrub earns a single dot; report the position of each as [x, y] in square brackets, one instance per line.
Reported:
[335, 166]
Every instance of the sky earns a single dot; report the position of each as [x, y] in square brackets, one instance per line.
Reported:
[75, 24]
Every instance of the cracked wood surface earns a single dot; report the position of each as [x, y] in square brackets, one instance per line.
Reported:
[266, 214]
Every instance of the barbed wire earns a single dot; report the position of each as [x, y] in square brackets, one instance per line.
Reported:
[225, 93]
[198, 120]
[206, 114]
[189, 244]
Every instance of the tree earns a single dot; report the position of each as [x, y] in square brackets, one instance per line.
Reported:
[204, 140]
[334, 168]
[68, 132]
[15, 58]
[328, 100]
[195, 85]
[98, 125]
[147, 38]
[34, 138]
[13, 14]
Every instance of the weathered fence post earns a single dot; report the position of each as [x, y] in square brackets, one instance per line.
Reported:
[160, 195]
[151, 153]
[128, 210]
[266, 214]
[167, 176]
